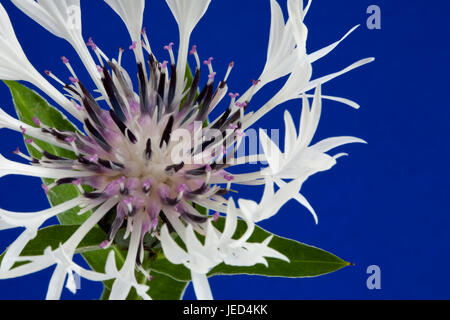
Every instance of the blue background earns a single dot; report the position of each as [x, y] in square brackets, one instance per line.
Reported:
[387, 204]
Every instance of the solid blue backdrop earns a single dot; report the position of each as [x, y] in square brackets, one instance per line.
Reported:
[387, 204]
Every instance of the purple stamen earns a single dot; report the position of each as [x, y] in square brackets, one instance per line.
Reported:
[209, 61]
[154, 223]
[228, 177]
[36, 121]
[193, 50]
[127, 201]
[45, 188]
[69, 139]
[133, 45]
[104, 244]
[169, 46]
[163, 65]
[182, 188]
[91, 44]
[64, 60]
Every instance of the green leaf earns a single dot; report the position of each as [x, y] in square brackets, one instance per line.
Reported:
[53, 236]
[305, 261]
[163, 287]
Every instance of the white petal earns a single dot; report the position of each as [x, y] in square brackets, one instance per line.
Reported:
[331, 143]
[15, 249]
[316, 111]
[230, 222]
[60, 17]
[172, 251]
[296, 16]
[8, 122]
[312, 57]
[8, 167]
[132, 13]
[71, 283]
[187, 13]
[201, 286]
[56, 284]
[280, 57]
[14, 65]
[35, 219]
[329, 77]
[291, 133]
[271, 151]
[120, 290]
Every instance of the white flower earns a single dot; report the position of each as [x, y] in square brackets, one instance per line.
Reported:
[125, 154]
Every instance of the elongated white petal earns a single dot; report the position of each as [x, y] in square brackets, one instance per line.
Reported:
[172, 251]
[63, 19]
[132, 14]
[126, 277]
[271, 151]
[8, 167]
[60, 17]
[120, 290]
[8, 122]
[37, 218]
[296, 16]
[37, 264]
[291, 133]
[280, 53]
[16, 248]
[325, 79]
[14, 65]
[299, 79]
[56, 284]
[314, 117]
[187, 13]
[312, 57]
[331, 143]
[201, 286]
[230, 222]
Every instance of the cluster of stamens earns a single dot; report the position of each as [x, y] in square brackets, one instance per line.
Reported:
[128, 148]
